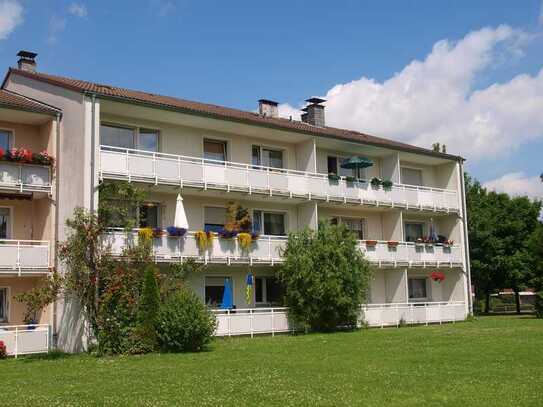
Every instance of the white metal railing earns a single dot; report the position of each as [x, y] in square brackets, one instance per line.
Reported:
[24, 256]
[396, 314]
[251, 321]
[171, 169]
[25, 339]
[264, 249]
[24, 177]
[379, 251]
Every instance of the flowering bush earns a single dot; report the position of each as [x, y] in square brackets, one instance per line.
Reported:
[437, 276]
[145, 234]
[3, 350]
[43, 158]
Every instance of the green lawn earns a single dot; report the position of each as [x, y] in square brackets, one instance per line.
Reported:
[493, 361]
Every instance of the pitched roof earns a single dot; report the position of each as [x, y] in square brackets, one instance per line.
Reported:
[13, 100]
[221, 112]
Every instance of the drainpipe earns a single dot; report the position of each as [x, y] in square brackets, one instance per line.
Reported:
[93, 152]
[466, 241]
[54, 317]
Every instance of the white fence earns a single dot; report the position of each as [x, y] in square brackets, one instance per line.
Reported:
[396, 314]
[384, 252]
[170, 169]
[252, 321]
[265, 249]
[25, 339]
[24, 256]
[25, 177]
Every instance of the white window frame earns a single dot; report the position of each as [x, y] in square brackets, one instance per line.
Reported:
[11, 216]
[264, 301]
[227, 142]
[412, 167]
[269, 147]
[136, 137]
[285, 217]
[12, 137]
[427, 285]
[7, 304]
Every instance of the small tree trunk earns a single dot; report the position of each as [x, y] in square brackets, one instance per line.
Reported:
[517, 301]
[487, 303]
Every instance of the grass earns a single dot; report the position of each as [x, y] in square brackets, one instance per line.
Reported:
[492, 361]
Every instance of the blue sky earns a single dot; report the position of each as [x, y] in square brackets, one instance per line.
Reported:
[235, 52]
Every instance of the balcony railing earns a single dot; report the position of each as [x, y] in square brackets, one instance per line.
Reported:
[253, 321]
[170, 169]
[267, 249]
[411, 254]
[24, 256]
[25, 177]
[25, 339]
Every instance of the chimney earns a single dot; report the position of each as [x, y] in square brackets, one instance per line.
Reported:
[314, 112]
[268, 108]
[27, 61]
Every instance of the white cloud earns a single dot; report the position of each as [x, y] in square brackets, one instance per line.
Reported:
[435, 100]
[517, 183]
[11, 15]
[77, 9]
[56, 26]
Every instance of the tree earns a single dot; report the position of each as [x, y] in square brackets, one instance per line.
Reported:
[499, 230]
[325, 277]
[37, 298]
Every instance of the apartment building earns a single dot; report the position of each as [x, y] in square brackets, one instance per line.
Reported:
[288, 174]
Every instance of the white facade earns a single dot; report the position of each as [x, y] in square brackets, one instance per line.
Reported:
[281, 177]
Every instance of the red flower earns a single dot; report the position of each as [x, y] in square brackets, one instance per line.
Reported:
[437, 276]
[2, 153]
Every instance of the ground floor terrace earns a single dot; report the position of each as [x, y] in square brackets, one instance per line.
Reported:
[491, 361]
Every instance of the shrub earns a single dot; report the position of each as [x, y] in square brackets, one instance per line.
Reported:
[3, 350]
[325, 277]
[143, 338]
[184, 323]
[539, 304]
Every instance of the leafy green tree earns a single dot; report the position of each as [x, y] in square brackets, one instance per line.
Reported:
[325, 277]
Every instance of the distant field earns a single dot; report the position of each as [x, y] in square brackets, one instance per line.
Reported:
[495, 361]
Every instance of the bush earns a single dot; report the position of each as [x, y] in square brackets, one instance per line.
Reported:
[184, 323]
[539, 304]
[325, 277]
[143, 338]
[3, 350]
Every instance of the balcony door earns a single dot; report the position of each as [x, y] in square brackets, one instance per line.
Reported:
[6, 140]
[5, 223]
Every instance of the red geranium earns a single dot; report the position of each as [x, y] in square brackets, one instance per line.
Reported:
[437, 276]
[3, 350]
[2, 153]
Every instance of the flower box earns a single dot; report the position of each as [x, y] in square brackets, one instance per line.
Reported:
[177, 232]
[387, 185]
[333, 177]
[24, 155]
[393, 243]
[350, 179]
[371, 243]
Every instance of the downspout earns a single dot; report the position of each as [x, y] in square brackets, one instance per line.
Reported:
[93, 152]
[54, 317]
[466, 239]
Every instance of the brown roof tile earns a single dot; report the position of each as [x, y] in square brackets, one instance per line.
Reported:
[12, 100]
[222, 112]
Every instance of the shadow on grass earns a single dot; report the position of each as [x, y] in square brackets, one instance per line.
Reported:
[52, 355]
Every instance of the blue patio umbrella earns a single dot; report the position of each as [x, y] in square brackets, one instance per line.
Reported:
[357, 163]
[227, 300]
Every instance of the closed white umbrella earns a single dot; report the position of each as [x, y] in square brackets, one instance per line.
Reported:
[180, 220]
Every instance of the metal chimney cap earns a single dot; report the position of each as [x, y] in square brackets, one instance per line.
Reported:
[27, 54]
[315, 100]
[268, 102]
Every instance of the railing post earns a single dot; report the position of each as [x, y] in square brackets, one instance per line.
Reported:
[20, 178]
[179, 171]
[128, 165]
[426, 313]
[268, 179]
[229, 320]
[252, 321]
[19, 257]
[269, 249]
[16, 341]
[439, 312]
[272, 323]
[155, 176]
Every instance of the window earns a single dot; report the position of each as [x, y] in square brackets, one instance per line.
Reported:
[122, 137]
[417, 289]
[148, 140]
[334, 166]
[414, 231]
[411, 176]
[6, 140]
[4, 223]
[267, 157]
[214, 218]
[3, 304]
[214, 150]
[149, 216]
[354, 225]
[269, 223]
[268, 290]
[214, 291]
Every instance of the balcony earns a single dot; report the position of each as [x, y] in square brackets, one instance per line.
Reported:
[264, 250]
[386, 253]
[267, 250]
[169, 169]
[25, 339]
[22, 178]
[24, 257]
